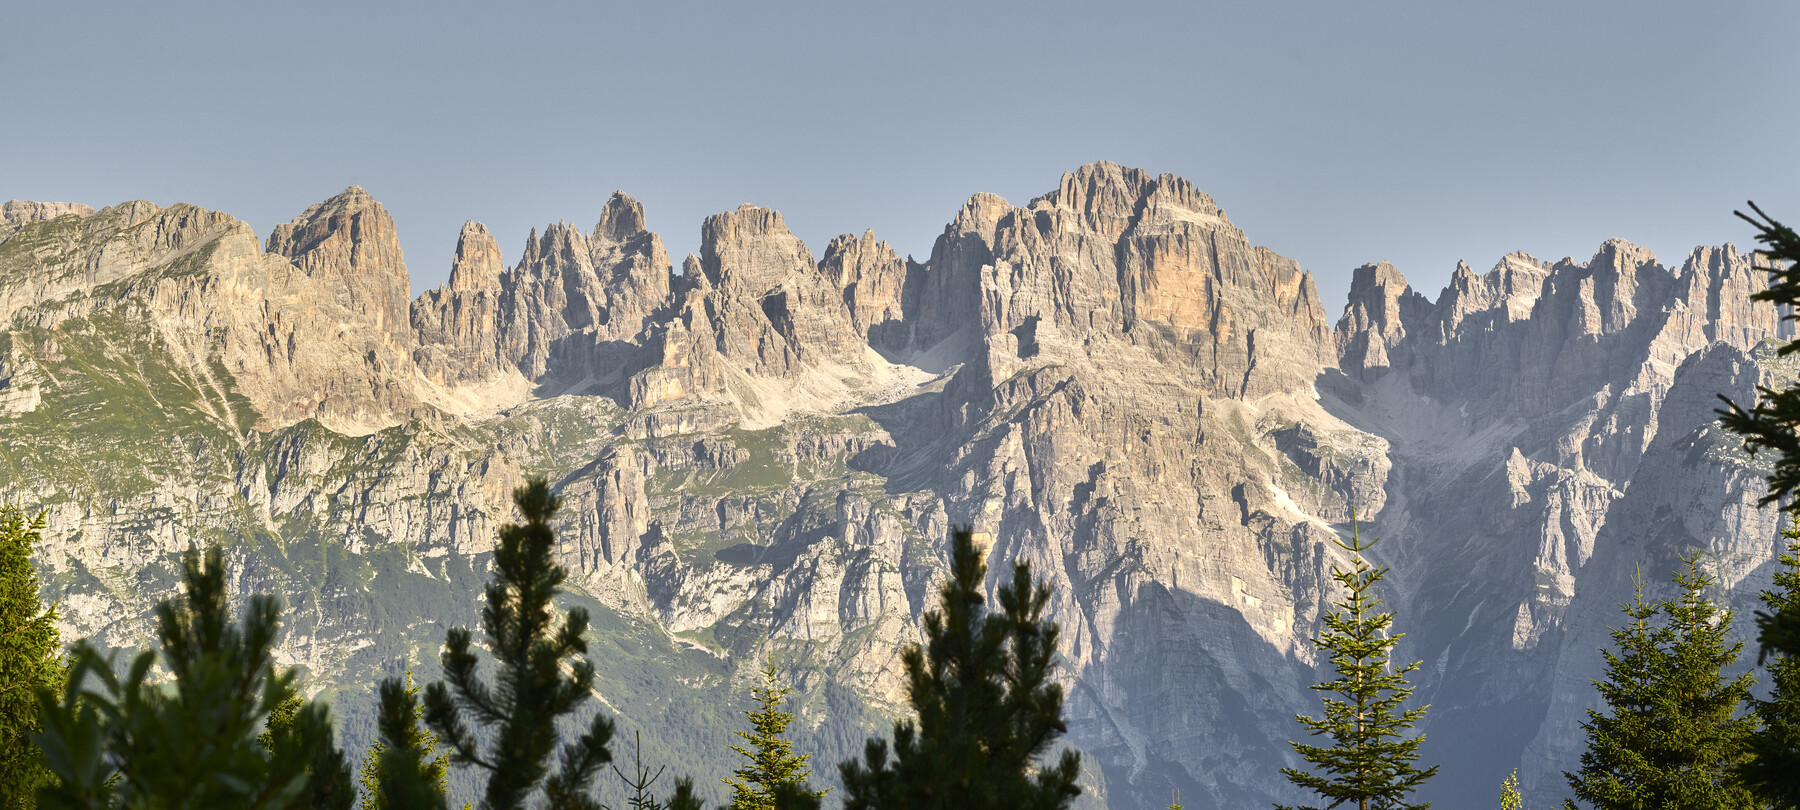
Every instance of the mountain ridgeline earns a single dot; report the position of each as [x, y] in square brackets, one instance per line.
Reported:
[761, 454]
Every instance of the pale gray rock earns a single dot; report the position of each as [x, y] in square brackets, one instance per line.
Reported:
[763, 455]
[348, 244]
[873, 280]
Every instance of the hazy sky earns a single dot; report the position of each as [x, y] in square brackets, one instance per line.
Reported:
[1333, 132]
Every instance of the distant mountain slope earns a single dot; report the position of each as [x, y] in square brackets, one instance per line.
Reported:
[762, 453]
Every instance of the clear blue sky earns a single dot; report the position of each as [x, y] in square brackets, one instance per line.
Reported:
[1333, 132]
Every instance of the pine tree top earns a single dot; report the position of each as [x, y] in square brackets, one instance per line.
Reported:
[1371, 761]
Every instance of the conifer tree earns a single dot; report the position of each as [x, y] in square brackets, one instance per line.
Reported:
[131, 742]
[1773, 770]
[984, 707]
[331, 788]
[1509, 793]
[1673, 737]
[773, 762]
[28, 659]
[1370, 762]
[1773, 423]
[405, 761]
[530, 689]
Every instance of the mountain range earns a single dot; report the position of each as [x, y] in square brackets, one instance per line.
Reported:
[762, 451]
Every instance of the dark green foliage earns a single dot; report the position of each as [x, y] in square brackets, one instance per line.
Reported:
[1773, 770]
[773, 763]
[193, 742]
[530, 690]
[985, 708]
[331, 788]
[1370, 763]
[28, 659]
[401, 773]
[684, 797]
[1673, 737]
[1774, 423]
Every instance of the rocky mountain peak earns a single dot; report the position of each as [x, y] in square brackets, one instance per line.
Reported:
[1111, 198]
[622, 218]
[980, 215]
[477, 265]
[1382, 310]
[751, 247]
[872, 278]
[33, 211]
[350, 244]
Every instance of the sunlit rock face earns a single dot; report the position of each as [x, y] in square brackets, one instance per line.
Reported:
[762, 453]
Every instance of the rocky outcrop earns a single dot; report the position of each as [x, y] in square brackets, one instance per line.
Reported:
[773, 313]
[872, 278]
[760, 328]
[1383, 310]
[458, 325]
[22, 211]
[15, 214]
[349, 246]
[573, 315]
[575, 295]
[1138, 265]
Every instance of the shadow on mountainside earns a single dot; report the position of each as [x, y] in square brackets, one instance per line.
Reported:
[1217, 731]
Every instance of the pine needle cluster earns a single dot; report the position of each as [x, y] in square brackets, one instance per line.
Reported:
[1773, 769]
[541, 674]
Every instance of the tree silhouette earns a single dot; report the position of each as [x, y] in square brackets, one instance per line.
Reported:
[984, 707]
[28, 659]
[197, 741]
[773, 763]
[531, 690]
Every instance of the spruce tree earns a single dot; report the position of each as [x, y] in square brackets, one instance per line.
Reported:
[531, 690]
[195, 741]
[1370, 763]
[405, 761]
[984, 707]
[773, 763]
[1773, 770]
[1674, 736]
[28, 659]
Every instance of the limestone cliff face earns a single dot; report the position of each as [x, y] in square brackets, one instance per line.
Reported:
[349, 246]
[1565, 379]
[763, 455]
[572, 315]
[1383, 311]
[458, 325]
[760, 331]
[19, 212]
[873, 280]
[1119, 256]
